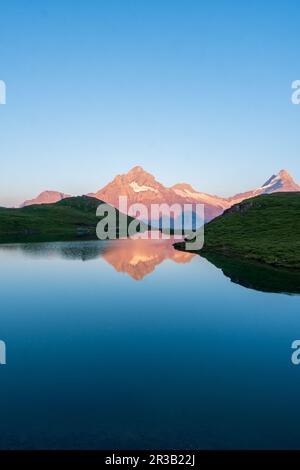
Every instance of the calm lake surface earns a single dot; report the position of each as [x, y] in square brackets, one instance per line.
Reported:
[131, 344]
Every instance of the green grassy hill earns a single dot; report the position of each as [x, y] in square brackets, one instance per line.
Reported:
[64, 220]
[265, 229]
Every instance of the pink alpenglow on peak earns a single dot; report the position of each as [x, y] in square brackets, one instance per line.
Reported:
[141, 187]
[282, 182]
[46, 197]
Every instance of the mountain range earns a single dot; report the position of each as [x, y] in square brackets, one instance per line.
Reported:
[141, 187]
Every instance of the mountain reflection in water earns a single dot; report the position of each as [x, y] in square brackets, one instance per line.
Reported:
[140, 257]
[136, 257]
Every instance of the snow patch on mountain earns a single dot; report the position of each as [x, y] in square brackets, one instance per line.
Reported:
[138, 189]
[201, 197]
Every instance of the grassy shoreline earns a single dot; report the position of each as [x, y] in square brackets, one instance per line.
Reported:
[263, 229]
[69, 219]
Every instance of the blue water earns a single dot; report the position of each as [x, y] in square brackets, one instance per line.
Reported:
[110, 347]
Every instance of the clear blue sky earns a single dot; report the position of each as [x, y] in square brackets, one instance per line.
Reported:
[192, 90]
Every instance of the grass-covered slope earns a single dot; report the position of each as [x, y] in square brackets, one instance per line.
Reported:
[67, 219]
[264, 228]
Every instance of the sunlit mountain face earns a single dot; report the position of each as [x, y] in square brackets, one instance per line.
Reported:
[282, 182]
[139, 186]
[46, 197]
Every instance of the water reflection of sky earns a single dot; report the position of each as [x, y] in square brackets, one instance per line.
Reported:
[182, 358]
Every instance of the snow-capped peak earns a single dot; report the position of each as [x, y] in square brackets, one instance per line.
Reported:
[282, 181]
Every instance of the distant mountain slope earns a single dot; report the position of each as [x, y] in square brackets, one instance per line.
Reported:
[283, 182]
[141, 187]
[265, 228]
[46, 197]
[67, 219]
